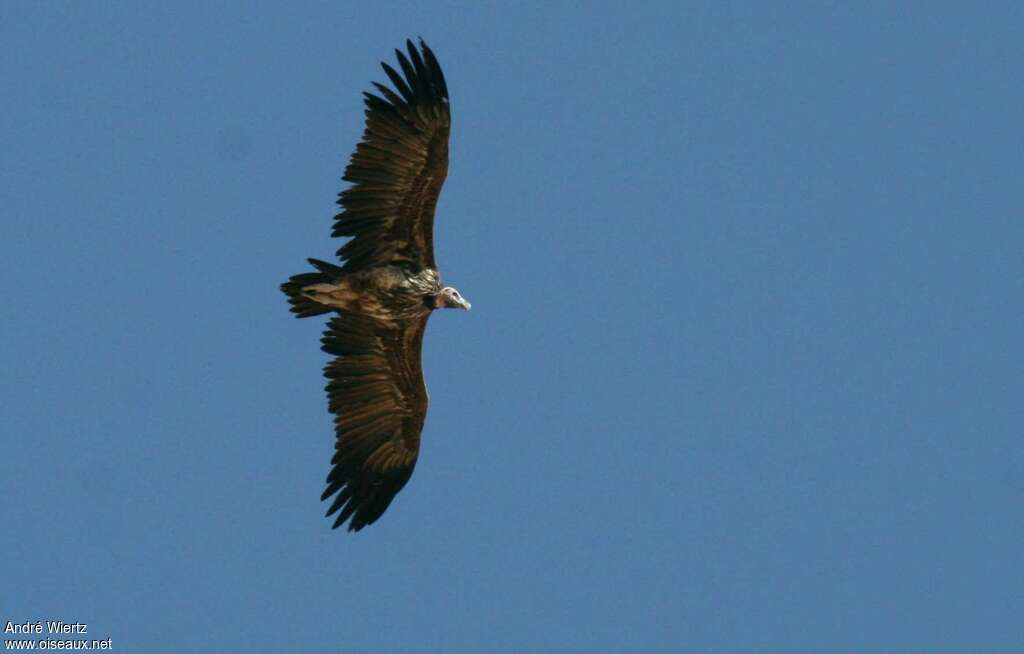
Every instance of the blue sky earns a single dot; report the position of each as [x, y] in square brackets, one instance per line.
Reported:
[743, 371]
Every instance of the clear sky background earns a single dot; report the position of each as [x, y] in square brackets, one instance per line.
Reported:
[743, 371]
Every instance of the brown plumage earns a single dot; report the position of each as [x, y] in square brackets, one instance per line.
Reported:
[386, 288]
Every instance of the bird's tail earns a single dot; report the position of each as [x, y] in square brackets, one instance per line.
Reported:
[302, 305]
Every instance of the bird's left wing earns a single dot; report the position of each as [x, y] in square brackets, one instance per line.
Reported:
[376, 391]
[398, 168]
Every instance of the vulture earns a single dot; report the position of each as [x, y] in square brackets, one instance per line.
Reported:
[385, 289]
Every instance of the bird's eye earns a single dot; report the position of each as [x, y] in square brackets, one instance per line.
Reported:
[455, 293]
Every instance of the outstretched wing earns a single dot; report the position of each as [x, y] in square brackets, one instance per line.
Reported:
[377, 394]
[398, 168]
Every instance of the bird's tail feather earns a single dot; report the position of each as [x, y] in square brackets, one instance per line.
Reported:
[303, 306]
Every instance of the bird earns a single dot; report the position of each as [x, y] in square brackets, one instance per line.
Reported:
[385, 289]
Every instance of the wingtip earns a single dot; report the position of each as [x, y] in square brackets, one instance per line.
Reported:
[424, 47]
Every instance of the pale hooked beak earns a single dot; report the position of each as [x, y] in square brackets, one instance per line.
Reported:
[464, 304]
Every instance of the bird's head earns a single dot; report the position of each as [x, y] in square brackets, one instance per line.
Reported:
[449, 298]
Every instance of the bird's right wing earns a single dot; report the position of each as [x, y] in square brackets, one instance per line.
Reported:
[379, 399]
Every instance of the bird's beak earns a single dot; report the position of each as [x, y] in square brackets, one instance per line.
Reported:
[464, 304]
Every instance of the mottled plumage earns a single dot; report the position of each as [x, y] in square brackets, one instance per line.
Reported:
[385, 289]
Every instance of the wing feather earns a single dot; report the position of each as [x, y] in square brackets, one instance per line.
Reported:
[399, 83]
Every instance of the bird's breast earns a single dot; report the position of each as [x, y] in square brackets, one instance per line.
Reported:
[392, 293]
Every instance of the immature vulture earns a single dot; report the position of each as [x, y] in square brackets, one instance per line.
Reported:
[386, 288]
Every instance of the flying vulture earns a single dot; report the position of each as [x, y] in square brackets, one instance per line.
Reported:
[383, 293]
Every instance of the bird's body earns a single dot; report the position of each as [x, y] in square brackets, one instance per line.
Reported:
[389, 294]
[384, 291]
